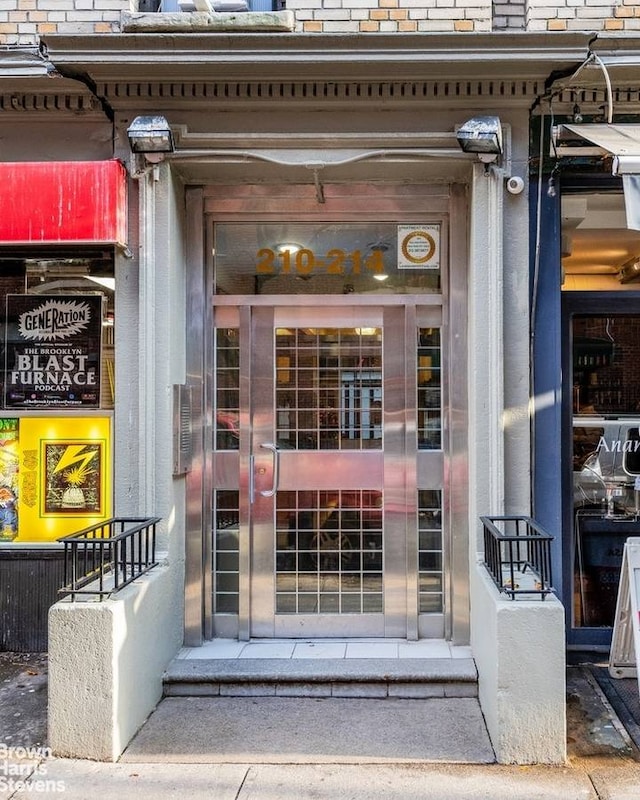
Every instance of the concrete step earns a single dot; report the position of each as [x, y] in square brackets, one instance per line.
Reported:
[366, 678]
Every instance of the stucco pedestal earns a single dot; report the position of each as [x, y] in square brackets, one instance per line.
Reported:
[519, 649]
[106, 661]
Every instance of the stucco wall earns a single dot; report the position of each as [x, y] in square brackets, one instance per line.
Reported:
[515, 289]
[106, 662]
[151, 321]
[499, 426]
[520, 655]
[107, 659]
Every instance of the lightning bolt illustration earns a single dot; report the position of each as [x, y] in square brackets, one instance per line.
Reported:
[72, 455]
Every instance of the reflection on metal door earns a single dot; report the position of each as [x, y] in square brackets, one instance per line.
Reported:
[328, 471]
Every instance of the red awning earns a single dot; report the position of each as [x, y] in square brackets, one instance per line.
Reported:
[63, 202]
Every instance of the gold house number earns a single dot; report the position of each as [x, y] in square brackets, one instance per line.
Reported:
[306, 262]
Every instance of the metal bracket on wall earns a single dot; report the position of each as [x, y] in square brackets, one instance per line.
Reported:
[182, 428]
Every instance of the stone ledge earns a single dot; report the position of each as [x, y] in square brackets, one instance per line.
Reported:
[308, 670]
[361, 689]
[204, 22]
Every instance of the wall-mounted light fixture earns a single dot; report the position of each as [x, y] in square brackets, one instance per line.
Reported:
[483, 136]
[150, 136]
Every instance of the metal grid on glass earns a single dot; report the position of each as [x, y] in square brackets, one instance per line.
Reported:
[329, 388]
[227, 388]
[430, 550]
[226, 556]
[329, 556]
[429, 400]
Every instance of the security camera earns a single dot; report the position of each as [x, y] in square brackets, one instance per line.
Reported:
[515, 185]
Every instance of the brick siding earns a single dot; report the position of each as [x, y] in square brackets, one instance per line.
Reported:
[581, 15]
[22, 22]
[391, 16]
[509, 15]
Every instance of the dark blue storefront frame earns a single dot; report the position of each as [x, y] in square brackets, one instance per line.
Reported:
[546, 370]
[551, 378]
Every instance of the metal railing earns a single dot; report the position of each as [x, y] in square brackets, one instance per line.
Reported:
[518, 557]
[104, 558]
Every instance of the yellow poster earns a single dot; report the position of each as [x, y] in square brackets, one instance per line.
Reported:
[55, 476]
[9, 479]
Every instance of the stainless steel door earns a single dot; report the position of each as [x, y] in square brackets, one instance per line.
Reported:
[328, 471]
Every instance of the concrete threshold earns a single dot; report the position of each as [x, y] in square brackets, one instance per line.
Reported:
[308, 730]
[293, 710]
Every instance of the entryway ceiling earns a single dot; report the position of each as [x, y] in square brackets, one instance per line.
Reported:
[595, 237]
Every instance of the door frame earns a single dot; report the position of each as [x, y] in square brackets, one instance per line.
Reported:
[300, 470]
[448, 203]
[407, 469]
[622, 303]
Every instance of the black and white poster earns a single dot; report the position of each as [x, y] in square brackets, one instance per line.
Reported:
[52, 351]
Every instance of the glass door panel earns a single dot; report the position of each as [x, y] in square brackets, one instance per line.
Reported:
[429, 401]
[318, 399]
[606, 459]
[329, 552]
[328, 472]
[329, 388]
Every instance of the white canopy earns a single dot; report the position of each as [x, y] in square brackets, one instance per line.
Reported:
[623, 143]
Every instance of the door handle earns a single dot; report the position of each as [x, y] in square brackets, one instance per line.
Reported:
[252, 479]
[276, 469]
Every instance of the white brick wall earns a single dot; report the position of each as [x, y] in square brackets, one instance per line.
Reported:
[22, 22]
[580, 15]
[391, 16]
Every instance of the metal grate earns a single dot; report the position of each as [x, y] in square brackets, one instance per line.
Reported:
[329, 552]
[518, 557]
[430, 574]
[227, 432]
[429, 383]
[329, 388]
[182, 429]
[226, 552]
[105, 558]
[29, 582]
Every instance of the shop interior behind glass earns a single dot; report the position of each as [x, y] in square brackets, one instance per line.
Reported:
[600, 254]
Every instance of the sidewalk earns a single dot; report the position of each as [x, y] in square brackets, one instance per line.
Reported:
[604, 763]
[81, 780]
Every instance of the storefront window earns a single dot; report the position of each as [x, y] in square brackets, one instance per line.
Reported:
[56, 317]
[606, 458]
[599, 251]
[599, 257]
